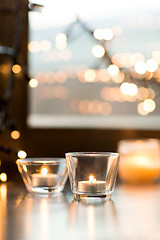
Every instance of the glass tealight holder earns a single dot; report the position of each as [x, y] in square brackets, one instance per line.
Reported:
[43, 175]
[92, 175]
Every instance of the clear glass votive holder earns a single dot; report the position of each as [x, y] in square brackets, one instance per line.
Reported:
[92, 175]
[43, 175]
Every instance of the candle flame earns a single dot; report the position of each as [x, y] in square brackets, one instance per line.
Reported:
[44, 171]
[92, 179]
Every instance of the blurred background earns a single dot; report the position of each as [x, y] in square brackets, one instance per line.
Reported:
[76, 77]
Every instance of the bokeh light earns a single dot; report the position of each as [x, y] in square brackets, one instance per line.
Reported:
[119, 78]
[151, 93]
[59, 92]
[33, 83]
[83, 106]
[113, 70]
[132, 91]
[111, 94]
[148, 75]
[141, 110]
[103, 76]
[4, 68]
[34, 46]
[16, 68]
[98, 51]
[149, 105]
[137, 57]
[98, 34]
[61, 37]
[61, 41]
[60, 77]
[15, 134]
[124, 88]
[151, 65]
[156, 74]
[117, 59]
[107, 34]
[129, 89]
[45, 45]
[140, 67]
[22, 154]
[90, 75]
[105, 108]
[143, 93]
[94, 106]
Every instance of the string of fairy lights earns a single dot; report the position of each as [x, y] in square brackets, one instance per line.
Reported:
[136, 79]
[12, 70]
[137, 76]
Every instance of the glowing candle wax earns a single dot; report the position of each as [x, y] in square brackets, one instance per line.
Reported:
[44, 179]
[91, 186]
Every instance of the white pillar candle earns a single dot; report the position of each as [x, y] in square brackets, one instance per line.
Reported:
[91, 186]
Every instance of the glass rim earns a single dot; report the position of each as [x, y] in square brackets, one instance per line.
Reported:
[104, 154]
[43, 160]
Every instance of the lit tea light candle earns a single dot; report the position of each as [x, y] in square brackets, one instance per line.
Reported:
[139, 161]
[91, 186]
[44, 178]
[139, 169]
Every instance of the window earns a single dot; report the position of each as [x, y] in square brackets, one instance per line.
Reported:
[96, 63]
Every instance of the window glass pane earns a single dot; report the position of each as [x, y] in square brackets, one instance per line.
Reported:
[96, 63]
